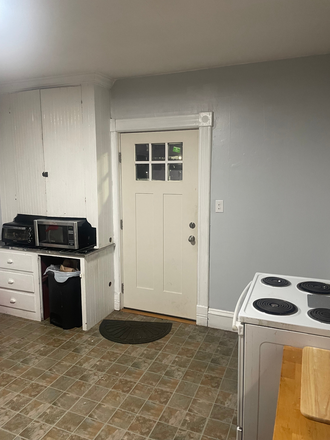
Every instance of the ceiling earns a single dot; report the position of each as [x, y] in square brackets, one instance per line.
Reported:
[125, 38]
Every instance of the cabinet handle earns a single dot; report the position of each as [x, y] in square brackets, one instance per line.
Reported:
[12, 301]
[10, 281]
[10, 261]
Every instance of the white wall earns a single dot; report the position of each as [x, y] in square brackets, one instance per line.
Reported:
[270, 163]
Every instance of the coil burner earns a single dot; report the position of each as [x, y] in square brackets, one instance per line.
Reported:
[274, 306]
[320, 314]
[314, 287]
[276, 282]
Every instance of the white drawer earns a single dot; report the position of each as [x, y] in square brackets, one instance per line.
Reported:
[17, 300]
[16, 261]
[16, 280]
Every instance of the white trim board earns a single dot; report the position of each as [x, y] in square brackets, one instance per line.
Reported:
[57, 81]
[204, 122]
[220, 319]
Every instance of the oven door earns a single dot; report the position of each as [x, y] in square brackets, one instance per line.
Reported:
[17, 235]
[239, 327]
[240, 384]
[262, 362]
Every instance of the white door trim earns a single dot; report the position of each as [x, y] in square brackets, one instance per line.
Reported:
[204, 122]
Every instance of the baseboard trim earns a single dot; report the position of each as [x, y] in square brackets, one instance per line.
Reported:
[221, 319]
[201, 315]
[160, 316]
[117, 300]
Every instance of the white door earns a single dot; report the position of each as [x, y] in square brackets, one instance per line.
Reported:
[159, 199]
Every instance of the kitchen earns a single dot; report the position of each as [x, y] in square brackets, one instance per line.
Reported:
[270, 159]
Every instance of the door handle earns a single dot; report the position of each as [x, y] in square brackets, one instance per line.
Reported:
[191, 239]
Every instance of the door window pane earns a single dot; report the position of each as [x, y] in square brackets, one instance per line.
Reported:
[175, 171]
[158, 171]
[158, 151]
[142, 152]
[175, 151]
[142, 172]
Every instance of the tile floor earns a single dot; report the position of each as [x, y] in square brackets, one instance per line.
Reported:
[68, 384]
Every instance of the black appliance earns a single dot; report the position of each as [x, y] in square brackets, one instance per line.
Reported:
[19, 232]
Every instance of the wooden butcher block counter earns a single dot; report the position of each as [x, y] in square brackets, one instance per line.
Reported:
[290, 424]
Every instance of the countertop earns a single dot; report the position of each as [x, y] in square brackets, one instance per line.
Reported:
[290, 424]
[57, 252]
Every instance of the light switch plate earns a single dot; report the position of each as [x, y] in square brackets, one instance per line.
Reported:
[219, 206]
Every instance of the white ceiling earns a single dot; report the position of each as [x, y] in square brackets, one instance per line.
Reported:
[123, 38]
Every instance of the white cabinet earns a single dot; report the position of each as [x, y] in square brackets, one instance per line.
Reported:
[61, 111]
[26, 146]
[21, 290]
[63, 132]
[19, 284]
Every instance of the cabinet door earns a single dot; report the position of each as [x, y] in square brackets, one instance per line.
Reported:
[29, 157]
[8, 200]
[63, 151]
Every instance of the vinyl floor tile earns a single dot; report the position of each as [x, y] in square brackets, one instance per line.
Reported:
[60, 384]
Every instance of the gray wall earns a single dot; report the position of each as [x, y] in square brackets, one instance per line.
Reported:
[270, 163]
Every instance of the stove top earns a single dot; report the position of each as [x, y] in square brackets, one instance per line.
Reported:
[288, 302]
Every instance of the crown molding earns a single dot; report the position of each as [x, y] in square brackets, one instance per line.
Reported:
[57, 81]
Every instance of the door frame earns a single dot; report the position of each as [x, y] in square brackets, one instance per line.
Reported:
[204, 123]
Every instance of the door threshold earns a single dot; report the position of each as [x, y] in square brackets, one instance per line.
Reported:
[157, 315]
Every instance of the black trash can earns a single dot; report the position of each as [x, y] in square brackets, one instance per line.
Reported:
[65, 302]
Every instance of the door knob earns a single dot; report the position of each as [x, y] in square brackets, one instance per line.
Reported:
[191, 239]
[192, 225]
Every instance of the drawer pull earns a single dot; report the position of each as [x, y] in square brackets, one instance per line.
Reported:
[10, 281]
[10, 261]
[12, 301]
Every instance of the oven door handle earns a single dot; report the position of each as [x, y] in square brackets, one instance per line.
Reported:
[238, 306]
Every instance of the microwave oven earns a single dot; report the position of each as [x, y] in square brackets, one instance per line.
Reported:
[64, 233]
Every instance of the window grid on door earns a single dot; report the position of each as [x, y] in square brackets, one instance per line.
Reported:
[168, 168]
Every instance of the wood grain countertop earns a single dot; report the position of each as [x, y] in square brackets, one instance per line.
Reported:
[290, 424]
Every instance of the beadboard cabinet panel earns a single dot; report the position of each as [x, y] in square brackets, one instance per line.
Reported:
[89, 140]
[97, 288]
[104, 190]
[96, 137]
[65, 132]
[7, 162]
[63, 151]
[29, 156]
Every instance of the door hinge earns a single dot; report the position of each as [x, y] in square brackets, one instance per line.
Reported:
[122, 287]
[119, 157]
[121, 224]
[239, 433]
[45, 174]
